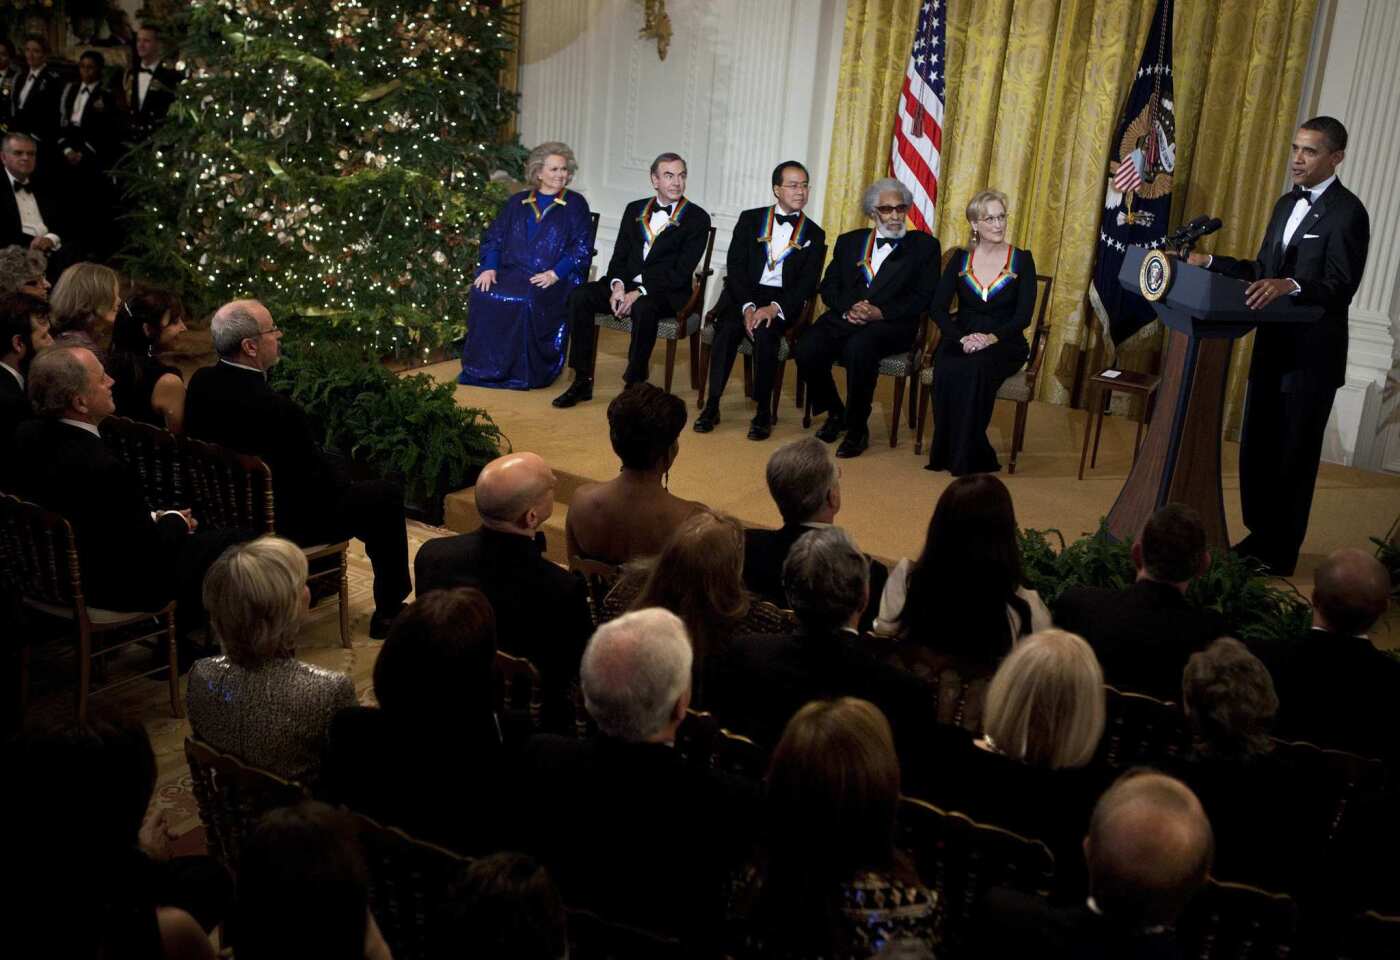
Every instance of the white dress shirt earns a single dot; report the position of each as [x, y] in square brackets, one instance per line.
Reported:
[143, 82]
[1301, 208]
[82, 425]
[881, 253]
[19, 377]
[80, 103]
[30, 219]
[28, 87]
[773, 273]
[659, 219]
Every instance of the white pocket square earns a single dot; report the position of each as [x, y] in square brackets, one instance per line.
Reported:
[1310, 236]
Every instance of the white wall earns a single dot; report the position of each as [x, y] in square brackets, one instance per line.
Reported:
[1352, 76]
[746, 84]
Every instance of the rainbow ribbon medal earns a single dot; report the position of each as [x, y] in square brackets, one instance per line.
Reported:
[533, 205]
[986, 293]
[794, 241]
[645, 220]
[869, 258]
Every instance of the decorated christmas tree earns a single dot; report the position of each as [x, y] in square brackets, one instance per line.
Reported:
[332, 159]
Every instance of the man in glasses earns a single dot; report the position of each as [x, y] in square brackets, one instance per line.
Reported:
[878, 282]
[775, 261]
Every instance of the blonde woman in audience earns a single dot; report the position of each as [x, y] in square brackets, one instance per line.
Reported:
[1032, 770]
[85, 301]
[22, 270]
[829, 882]
[257, 701]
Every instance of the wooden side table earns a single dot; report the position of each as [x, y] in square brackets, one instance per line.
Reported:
[1102, 387]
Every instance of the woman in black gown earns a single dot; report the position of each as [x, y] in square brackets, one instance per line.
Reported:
[983, 342]
[148, 323]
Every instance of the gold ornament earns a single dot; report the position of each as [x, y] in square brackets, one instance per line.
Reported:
[656, 23]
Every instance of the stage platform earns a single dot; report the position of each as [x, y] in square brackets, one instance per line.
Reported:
[887, 496]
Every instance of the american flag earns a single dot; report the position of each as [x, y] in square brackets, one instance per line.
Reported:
[1129, 175]
[918, 130]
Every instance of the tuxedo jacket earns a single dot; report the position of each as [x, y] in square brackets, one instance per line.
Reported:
[127, 558]
[1326, 256]
[146, 115]
[1143, 635]
[98, 130]
[7, 93]
[748, 256]
[11, 229]
[765, 552]
[237, 409]
[1016, 924]
[14, 410]
[39, 115]
[903, 289]
[668, 272]
[541, 608]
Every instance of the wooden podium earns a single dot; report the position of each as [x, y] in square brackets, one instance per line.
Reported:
[1180, 459]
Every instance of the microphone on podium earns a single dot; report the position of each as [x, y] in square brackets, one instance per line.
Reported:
[1186, 236]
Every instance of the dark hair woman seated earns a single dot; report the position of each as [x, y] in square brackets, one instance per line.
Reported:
[148, 323]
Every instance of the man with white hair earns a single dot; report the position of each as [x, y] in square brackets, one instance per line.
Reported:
[628, 827]
[232, 405]
[880, 279]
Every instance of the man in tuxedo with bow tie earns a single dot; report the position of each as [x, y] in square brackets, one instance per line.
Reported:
[150, 85]
[88, 136]
[1313, 252]
[34, 101]
[659, 243]
[26, 217]
[774, 263]
[879, 281]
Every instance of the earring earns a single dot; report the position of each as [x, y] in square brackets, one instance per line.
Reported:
[974, 236]
[666, 480]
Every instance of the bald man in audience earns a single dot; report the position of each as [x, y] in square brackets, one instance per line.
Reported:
[1334, 687]
[1149, 851]
[541, 608]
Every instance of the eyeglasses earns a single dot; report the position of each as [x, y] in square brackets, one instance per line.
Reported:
[886, 210]
[270, 330]
[999, 218]
[801, 185]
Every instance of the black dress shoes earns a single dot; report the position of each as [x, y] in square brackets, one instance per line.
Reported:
[581, 389]
[854, 445]
[707, 420]
[835, 426]
[760, 428]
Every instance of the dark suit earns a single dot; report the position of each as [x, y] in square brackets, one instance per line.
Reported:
[748, 257]
[667, 271]
[1296, 368]
[235, 408]
[96, 134]
[38, 116]
[902, 289]
[1143, 635]
[129, 561]
[11, 227]
[758, 681]
[765, 552]
[541, 608]
[1015, 924]
[89, 192]
[1337, 691]
[14, 410]
[148, 114]
[633, 832]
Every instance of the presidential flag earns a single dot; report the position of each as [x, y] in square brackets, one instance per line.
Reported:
[1138, 198]
[918, 129]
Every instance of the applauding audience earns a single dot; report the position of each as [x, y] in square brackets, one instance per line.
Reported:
[258, 701]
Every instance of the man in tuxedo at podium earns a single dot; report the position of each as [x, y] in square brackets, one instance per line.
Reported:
[774, 263]
[659, 243]
[1313, 252]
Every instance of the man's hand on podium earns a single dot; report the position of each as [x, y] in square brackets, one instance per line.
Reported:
[1261, 293]
[1198, 259]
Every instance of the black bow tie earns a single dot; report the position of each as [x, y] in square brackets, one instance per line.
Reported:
[1301, 192]
[149, 70]
[788, 218]
[23, 186]
[662, 208]
[885, 242]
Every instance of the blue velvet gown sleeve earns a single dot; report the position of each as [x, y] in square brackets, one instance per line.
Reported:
[577, 242]
[492, 239]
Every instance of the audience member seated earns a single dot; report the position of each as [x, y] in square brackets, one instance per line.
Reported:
[24, 324]
[507, 906]
[1031, 770]
[805, 483]
[633, 515]
[829, 882]
[964, 602]
[627, 827]
[148, 323]
[130, 559]
[428, 758]
[1335, 689]
[29, 217]
[22, 270]
[1247, 788]
[1144, 635]
[85, 302]
[258, 701]
[231, 404]
[303, 890]
[541, 609]
[1149, 850]
[699, 577]
[90, 855]
[761, 680]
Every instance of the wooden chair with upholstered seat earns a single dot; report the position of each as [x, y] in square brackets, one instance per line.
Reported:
[962, 859]
[39, 561]
[685, 325]
[1019, 388]
[785, 348]
[1141, 730]
[765, 616]
[1331, 781]
[599, 578]
[903, 367]
[232, 796]
[410, 884]
[153, 453]
[1225, 921]
[518, 696]
[1099, 392]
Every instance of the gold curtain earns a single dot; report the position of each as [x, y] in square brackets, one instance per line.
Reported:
[1033, 92]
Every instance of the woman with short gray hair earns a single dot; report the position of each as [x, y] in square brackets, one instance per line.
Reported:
[22, 270]
[257, 701]
[533, 255]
